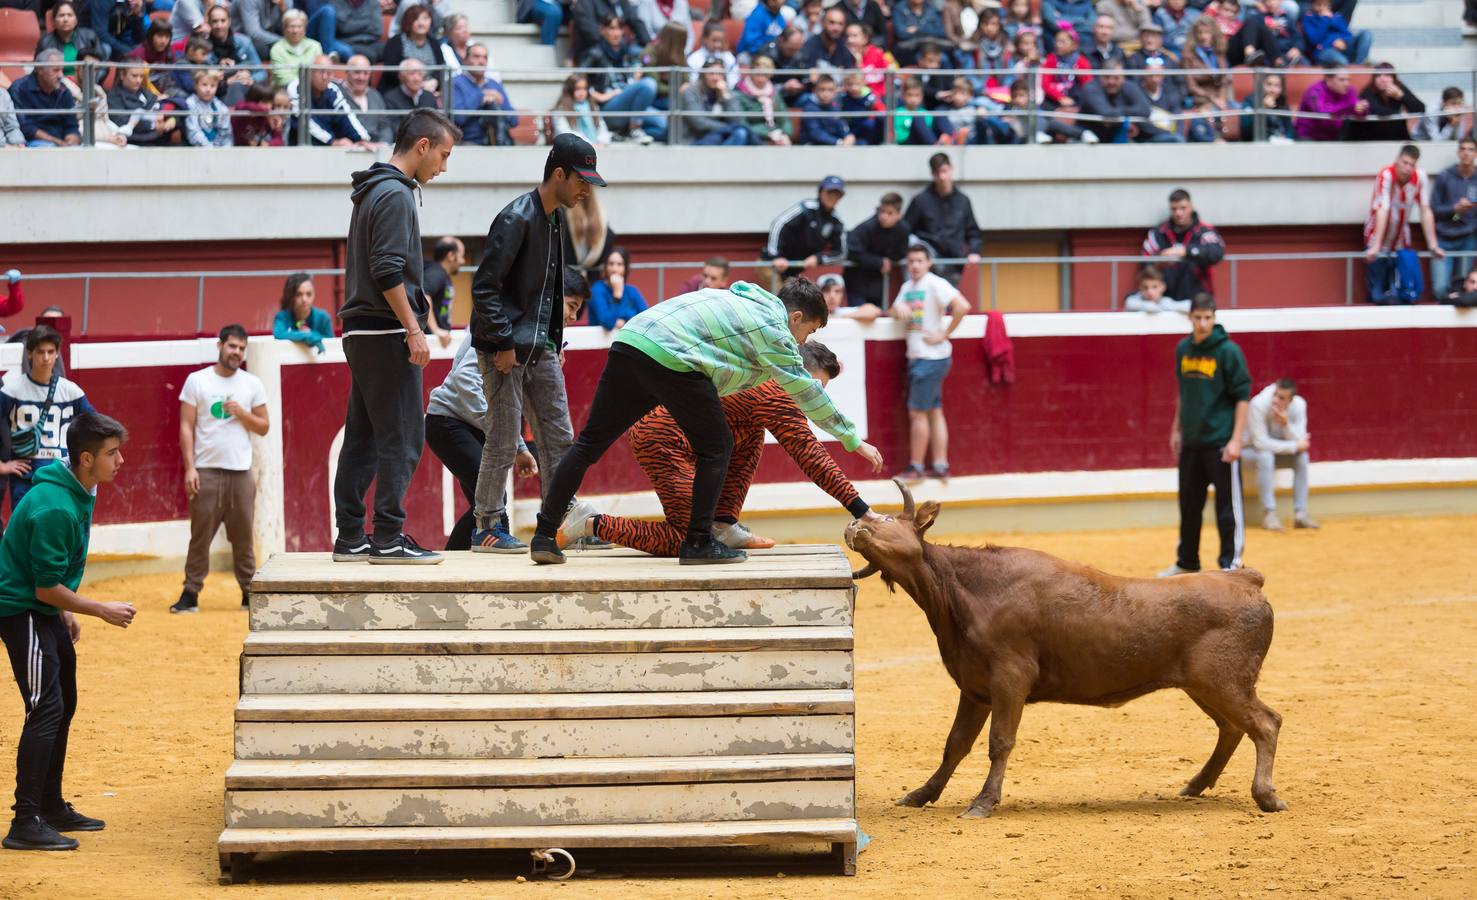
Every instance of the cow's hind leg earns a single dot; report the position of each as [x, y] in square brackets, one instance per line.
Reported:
[1007, 710]
[1225, 746]
[968, 721]
[1263, 724]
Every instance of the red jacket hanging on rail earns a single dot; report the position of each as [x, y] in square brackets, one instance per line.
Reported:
[999, 354]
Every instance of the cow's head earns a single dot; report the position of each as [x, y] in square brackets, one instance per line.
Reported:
[892, 544]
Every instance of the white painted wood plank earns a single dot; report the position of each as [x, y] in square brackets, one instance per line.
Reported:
[547, 642]
[618, 804]
[371, 707]
[758, 670]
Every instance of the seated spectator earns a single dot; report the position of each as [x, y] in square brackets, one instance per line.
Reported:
[936, 83]
[833, 289]
[369, 104]
[589, 24]
[67, 36]
[915, 23]
[1450, 123]
[1227, 17]
[441, 16]
[157, 50]
[186, 17]
[349, 27]
[1152, 50]
[1150, 296]
[658, 14]
[809, 233]
[1103, 51]
[1019, 17]
[625, 90]
[810, 18]
[137, 112]
[867, 13]
[1204, 127]
[1075, 14]
[1277, 429]
[1454, 203]
[1329, 40]
[1269, 35]
[196, 53]
[828, 49]
[820, 123]
[1119, 101]
[992, 44]
[763, 105]
[298, 319]
[11, 137]
[714, 276]
[1402, 194]
[1465, 294]
[119, 24]
[857, 97]
[1273, 100]
[574, 113]
[1072, 72]
[867, 56]
[295, 50]
[261, 118]
[612, 301]
[409, 93]
[1129, 18]
[1026, 49]
[713, 113]
[912, 124]
[1175, 18]
[971, 116]
[547, 13]
[1017, 117]
[413, 43]
[1386, 95]
[53, 123]
[788, 54]
[229, 49]
[1330, 97]
[1206, 50]
[331, 122]
[1166, 100]
[714, 48]
[668, 51]
[876, 249]
[766, 23]
[1187, 249]
[259, 20]
[207, 119]
[473, 90]
[457, 37]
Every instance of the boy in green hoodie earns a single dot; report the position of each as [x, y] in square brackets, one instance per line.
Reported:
[1209, 421]
[41, 560]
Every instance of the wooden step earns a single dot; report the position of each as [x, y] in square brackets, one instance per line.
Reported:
[448, 773]
[524, 806]
[531, 610]
[659, 834]
[560, 641]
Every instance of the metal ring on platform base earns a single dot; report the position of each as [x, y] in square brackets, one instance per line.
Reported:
[543, 858]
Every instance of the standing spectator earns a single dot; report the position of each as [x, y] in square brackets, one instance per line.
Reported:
[875, 248]
[943, 218]
[367, 103]
[613, 302]
[1454, 203]
[713, 115]
[1450, 123]
[259, 20]
[473, 91]
[809, 233]
[713, 275]
[1402, 191]
[53, 122]
[1152, 50]
[207, 119]
[42, 558]
[1175, 17]
[136, 111]
[37, 408]
[298, 319]
[384, 342]
[447, 259]
[1273, 103]
[1386, 95]
[625, 89]
[332, 122]
[1278, 425]
[413, 43]
[589, 23]
[915, 23]
[1119, 101]
[1150, 296]
[766, 23]
[1330, 97]
[575, 114]
[828, 49]
[220, 407]
[1186, 249]
[409, 91]
[1104, 52]
[868, 13]
[547, 13]
[295, 50]
[1077, 15]
[1206, 434]
[822, 123]
[764, 105]
[1129, 18]
[119, 24]
[1329, 40]
[924, 302]
[67, 36]
[714, 48]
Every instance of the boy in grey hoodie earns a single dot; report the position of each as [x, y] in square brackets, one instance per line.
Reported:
[384, 321]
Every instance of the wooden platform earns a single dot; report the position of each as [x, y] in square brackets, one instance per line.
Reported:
[615, 701]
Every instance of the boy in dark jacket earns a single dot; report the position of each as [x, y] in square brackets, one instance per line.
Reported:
[876, 249]
[41, 561]
[1186, 249]
[1209, 422]
[820, 124]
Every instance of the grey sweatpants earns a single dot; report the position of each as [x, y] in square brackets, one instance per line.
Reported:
[1267, 465]
[535, 392]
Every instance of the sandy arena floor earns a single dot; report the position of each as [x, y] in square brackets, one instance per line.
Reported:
[1372, 668]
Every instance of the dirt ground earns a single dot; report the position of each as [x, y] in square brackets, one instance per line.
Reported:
[1372, 668]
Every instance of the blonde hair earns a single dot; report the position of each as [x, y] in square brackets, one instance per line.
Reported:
[295, 15]
[209, 75]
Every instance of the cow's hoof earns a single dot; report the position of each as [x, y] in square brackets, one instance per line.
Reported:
[978, 811]
[1192, 790]
[1271, 803]
[918, 799]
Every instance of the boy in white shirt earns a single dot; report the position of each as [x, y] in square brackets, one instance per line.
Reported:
[924, 302]
[1278, 424]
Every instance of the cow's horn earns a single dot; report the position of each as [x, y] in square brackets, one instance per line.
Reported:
[864, 572]
[907, 497]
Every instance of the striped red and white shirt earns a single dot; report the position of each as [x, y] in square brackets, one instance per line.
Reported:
[1404, 201]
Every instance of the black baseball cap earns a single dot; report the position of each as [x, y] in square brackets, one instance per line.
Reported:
[570, 151]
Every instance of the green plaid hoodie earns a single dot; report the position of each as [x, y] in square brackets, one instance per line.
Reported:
[739, 338]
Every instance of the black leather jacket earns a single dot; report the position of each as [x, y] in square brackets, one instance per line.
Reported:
[518, 291]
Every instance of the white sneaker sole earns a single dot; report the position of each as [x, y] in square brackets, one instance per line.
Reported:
[351, 557]
[405, 560]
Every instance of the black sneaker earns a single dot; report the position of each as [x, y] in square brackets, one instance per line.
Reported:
[545, 551]
[68, 819]
[246, 599]
[356, 550]
[32, 833]
[708, 553]
[188, 602]
[402, 550]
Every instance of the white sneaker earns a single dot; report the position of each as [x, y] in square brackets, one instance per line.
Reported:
[739, 537]
[1303, 520]
[576, 524]
[640, 137]
[1270, 521]
[1175, 570]
[1089, 137]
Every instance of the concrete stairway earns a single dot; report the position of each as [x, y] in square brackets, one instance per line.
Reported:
[515, 50]
[1421, 34]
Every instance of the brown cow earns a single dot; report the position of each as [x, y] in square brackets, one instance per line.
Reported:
[1017, 626]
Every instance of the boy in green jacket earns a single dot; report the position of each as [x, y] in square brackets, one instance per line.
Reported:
[685, 354]
[1209, 421]
[41, 560]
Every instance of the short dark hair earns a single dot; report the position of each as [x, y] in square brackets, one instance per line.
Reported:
[576, 284]
[717, 262]
[938, 160]
[1452, 93]
[1410, 150]
[1178, 194]
[290, 286]
[625, 258]
[712, 28]
[800, 294]
[1467, 139]
[1202, 302]
[607, 20]
[920, 248]
[444, 248]
[1150, 273]
[892, 199]
[89, 431]
[43, 334]
[159, 26]
[1287, 384]
[824, 79]
[232, 331]
[817, 357]
[198, 42]
[431, 124]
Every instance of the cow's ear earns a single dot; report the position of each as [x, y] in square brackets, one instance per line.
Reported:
[923, 519]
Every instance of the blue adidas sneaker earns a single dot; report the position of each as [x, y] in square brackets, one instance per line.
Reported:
[496, 539]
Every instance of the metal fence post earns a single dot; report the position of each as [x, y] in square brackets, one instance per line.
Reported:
[89, 123]
[1348, 281]
[1259, 120]
[1031, 87]
[304, 107]
[1113, 286]
[448, 102]
[889, 101]
[981, 279]
[200, 304]
[86, 300]
[674, 88]
[1234, 286]
[994, 285]
[661, 283]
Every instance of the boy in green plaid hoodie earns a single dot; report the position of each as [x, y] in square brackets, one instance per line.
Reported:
[685, 354]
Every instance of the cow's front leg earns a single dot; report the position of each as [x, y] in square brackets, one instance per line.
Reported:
[1006, 706]
[968, 721]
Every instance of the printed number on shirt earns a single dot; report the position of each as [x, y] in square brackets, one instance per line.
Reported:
[53, 431]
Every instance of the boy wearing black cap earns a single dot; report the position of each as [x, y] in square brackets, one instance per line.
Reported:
[809, 231]
[518, 329]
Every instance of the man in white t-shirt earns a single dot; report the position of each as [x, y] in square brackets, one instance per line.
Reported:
[932, 309]
[220, 408]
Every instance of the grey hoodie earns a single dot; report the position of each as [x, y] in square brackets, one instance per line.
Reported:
[384, 249]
